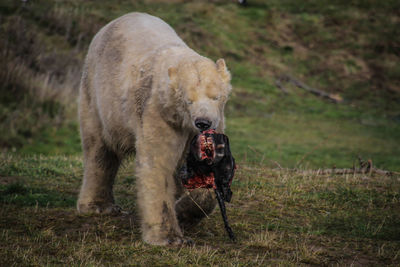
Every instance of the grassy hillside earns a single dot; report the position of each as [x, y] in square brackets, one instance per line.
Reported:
[348, 49]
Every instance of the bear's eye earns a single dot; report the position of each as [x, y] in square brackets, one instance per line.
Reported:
[190, 102]
[215, 98]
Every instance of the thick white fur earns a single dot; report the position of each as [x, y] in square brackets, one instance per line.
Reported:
[142, 89]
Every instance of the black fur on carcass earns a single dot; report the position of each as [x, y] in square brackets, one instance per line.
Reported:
[210, 164]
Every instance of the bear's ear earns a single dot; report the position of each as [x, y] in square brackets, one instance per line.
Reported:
[223, 71]
[173, 77]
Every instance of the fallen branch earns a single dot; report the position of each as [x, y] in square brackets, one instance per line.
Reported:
[280, 86]
[335, 171]
[365, 168]
[287, 78]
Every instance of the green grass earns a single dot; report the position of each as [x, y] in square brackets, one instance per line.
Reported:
[333, 46]
[280, 217]
[20, 195]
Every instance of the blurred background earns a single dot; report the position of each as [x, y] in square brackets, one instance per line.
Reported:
[316, 83]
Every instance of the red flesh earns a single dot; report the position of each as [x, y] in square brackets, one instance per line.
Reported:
[207, 152]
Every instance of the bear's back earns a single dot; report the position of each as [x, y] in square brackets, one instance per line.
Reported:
[139, 33]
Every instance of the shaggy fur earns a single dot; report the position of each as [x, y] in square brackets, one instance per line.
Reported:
[141, 91]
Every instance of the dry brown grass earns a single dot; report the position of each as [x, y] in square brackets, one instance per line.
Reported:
[279, 217]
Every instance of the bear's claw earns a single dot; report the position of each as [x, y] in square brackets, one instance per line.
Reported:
[177, 241]
[100, 208]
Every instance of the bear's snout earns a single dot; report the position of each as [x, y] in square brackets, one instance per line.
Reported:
[202, 124]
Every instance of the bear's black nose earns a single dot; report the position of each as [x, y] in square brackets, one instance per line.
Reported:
[202, 124]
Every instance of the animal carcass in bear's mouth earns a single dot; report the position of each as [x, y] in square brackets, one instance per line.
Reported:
[210, 164]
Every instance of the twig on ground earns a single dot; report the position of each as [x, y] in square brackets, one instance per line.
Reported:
[365, 168]
[278, 84]
[287, 78]
[344, 171]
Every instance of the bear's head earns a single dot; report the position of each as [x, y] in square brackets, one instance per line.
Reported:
[200, 90]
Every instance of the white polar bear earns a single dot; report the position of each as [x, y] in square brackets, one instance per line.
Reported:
[144, 90]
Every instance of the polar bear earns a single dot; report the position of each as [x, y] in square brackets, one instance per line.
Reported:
[145, 92]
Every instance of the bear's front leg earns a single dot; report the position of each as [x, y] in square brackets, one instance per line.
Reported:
[158, 151]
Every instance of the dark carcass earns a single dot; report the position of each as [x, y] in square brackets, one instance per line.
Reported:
[210, 164]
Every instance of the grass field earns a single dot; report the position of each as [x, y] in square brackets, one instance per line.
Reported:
[282, 212]
[280, 217]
